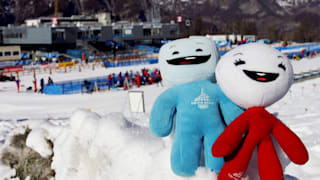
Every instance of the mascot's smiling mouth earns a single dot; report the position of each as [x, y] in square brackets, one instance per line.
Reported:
[261, 76]
[189, 60]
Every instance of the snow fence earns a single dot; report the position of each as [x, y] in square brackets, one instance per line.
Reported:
[77, 86]
[299, 50]
[130, 63]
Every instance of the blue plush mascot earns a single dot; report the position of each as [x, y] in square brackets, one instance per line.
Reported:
[194, 105]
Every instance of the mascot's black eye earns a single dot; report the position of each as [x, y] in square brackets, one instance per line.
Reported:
[239, 62]
[282, 66]
[199, 50]
[175, 53]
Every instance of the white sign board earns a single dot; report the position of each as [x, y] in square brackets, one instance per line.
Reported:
[136, 99]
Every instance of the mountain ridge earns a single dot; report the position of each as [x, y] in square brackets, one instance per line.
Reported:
[284, 19]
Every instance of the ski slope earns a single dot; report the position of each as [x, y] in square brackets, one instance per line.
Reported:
[96, 136]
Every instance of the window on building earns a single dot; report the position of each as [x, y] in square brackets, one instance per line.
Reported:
[173, 32]
[1, 54]
[117, 32]
[128, 32]
[58, 35]
[156, 31]
[13, 35]
[146, 32]
[83, 35]
[15, 53]
[7, 53]
[97, 32]
[79, 35]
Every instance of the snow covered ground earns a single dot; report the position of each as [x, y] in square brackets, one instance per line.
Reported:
[96, 136]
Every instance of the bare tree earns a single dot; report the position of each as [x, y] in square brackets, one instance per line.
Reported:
[26, 9]
[198, 28]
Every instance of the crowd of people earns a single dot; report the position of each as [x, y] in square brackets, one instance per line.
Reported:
[129, 78]
[122, 80]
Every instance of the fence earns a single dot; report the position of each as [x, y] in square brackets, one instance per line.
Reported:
[306, 75]
[15, 63]
[77, 86]
[297, 51]
[130, 62]
[63, 67]
[101, 83]
[130, 59]
[300, 51]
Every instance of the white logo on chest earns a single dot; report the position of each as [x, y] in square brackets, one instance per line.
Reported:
[202, 101]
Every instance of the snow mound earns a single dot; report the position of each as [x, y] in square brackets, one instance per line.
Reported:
[7, 172]
[111, 147]
[37, 141]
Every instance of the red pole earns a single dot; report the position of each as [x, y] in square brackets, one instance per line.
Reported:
[35, 85]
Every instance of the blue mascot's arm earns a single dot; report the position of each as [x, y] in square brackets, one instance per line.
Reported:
[162, 114]
[229, 110]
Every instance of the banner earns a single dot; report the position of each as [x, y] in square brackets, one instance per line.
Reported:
[31, 67]
[13, 69]
[67, 64]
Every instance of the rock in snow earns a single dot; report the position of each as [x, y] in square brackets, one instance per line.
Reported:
[37, 140]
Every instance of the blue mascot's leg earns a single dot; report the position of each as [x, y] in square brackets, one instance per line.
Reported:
[186, 153]
[211, 162]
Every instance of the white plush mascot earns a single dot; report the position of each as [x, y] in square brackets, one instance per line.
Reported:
[255, 76]
[200, 108]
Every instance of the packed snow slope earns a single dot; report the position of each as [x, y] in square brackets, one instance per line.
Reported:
[96, 136]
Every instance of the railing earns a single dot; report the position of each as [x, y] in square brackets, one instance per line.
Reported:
[77, 86]
[294, 52]
[130, 62]
[101, 83]
[306, 75]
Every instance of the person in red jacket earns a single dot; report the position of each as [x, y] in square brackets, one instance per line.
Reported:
[255, 76]
[109, 81]
[138, 79]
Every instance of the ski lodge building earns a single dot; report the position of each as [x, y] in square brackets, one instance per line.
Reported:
[59, 34]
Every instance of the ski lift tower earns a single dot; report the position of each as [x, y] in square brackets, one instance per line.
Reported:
[56, 8]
